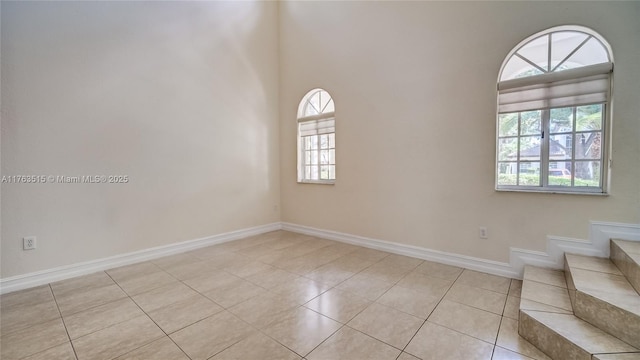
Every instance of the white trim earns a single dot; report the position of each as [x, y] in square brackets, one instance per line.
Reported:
[468, 262]
[598, 245]
[20, 282]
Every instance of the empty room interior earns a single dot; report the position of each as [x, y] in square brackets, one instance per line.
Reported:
[193, 180]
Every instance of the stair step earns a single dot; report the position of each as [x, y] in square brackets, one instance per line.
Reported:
[626, 255]
[564, 336]
[545, 290]
[547, 320]
[602, 295]
[626, 356]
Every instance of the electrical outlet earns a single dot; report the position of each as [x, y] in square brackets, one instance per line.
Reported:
[29, 243]
[484, 234]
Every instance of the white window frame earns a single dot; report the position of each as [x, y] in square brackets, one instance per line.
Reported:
[581, 86]
[317, 125]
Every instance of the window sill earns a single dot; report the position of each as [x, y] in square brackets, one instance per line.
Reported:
[318, 182]
[553, 191]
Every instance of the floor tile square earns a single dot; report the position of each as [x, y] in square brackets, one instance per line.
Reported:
[139, 284]
[467, 320]
[124, 273]
[170, 261]
[210, 281]
[27, 297]
[301, 290]
[512, 308]
[190, 270]
[347, 343]
[485, 281]
[14, 318]
[161, 349]
[366, 286]
[60, 352]
[516, 288]
[405, 263]
[407, 356]
[100, 317]
[385, 272]
[410, 301]
[263, 310]
[440, 271]
[81, 283]
[210, 336]
[425, 283]
[271, 278]
[33, 340]
[163, 296]
[387, 325]
[256, 346]
[479, 298]
[234, 292]
[369, 254]
[184, 313]
[75, 302]
[339, 305]
[330, 274]
[302, 330]
[504, 354]
[434, 342]
[249, 268]
[117, 340]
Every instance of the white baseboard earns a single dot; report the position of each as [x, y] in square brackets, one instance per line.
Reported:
[597, 245]
[468, 262]
[25, 281]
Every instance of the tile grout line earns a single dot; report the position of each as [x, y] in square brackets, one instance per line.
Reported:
[147, 315]
[430, 313]
[63, 322]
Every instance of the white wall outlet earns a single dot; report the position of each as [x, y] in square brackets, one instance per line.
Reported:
[483, 233]
[29, 243]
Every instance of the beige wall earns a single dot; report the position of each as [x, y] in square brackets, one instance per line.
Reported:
[187, 100]
[414, 87]
[181, 97]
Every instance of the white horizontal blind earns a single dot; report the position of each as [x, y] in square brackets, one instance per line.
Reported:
[586, 85]
[317, 125]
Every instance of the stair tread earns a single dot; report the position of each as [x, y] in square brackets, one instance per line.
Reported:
[623, 356]
[603, 265]
[614, 288]
[581, 333]
[630, 247]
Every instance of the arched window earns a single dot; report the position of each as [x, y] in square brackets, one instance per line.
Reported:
[554, 97]
[316, 138]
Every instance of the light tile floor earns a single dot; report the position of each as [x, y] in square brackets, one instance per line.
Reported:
[278, 295]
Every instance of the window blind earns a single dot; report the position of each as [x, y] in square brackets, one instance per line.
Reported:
[585, 85]
[317, 125]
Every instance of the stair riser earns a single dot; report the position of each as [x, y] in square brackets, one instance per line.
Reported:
[548, 341]
[617, 322]
[629, 268]
[571, 287]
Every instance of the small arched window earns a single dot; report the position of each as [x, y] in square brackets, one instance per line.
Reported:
[316, 138]
[554, 101]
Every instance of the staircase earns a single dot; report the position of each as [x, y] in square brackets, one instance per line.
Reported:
[589, 311]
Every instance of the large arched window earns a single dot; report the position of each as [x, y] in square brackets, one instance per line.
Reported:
[554, 101]
[316, 138]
